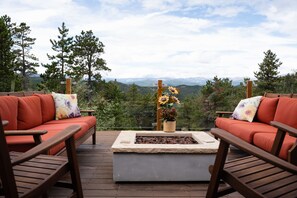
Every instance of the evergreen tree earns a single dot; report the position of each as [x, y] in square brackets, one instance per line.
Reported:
[288, 83]
[87, 52]
[6, 55]
[133, 93]
[60, 63]
[25, 61]
[216, 95]
[267, 76]
[51, 78]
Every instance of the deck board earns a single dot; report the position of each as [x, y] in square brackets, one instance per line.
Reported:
[96, 174]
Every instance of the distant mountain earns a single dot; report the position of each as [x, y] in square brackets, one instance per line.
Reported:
[150, 82]
[184, 90]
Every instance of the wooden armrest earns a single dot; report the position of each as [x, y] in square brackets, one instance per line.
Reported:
[35, 133]
[283, 127]
[253, 150]
[24, 132]
[44, 146]
[89, 111]
[221, 113]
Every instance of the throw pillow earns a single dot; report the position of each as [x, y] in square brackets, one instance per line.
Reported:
[247, 108]
[66, 106]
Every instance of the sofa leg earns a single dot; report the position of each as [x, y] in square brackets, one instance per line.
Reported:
[94, 137]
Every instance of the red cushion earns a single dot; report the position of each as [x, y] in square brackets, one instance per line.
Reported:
[23, 143]
[226, 123]
[265, 142]
[56, 128]
[9, 111]
[266, 110]
[247, 131]
[89, 120]
[242, 129]
[48, 109]
[286, 111]
[29, 112]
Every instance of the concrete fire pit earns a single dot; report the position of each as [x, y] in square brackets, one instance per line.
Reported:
[163, 162]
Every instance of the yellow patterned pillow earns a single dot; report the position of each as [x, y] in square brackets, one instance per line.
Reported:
[66, 106]
[247, 108]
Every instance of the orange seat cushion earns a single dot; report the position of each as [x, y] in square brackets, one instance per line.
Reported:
[266, 110]
[29, 112]
[90, 120]
[286, 111]
[57, 128]
[226, 123]
[265, 142]
[243, 129]
[9, 111]
[48, 109]
[23, 143]
[247, 131]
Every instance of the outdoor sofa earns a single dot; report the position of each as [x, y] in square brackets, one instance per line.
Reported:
[275, 112]
[32, 120]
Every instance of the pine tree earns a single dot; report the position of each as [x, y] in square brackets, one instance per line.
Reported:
[216, 95]
[60, 63]
[51, 78]
[25, 61]
[6, 55]
[267, 76]
[87, 52]
[288, 83]
[64, 49]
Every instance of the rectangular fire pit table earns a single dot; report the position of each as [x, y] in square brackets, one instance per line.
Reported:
[163, 162]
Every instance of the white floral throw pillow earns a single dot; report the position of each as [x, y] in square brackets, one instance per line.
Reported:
[66, 106]
[247, 108]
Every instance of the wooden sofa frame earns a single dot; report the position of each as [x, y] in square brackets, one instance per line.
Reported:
[292, 153]
[261, 174]
[37, 138]
[30, 174]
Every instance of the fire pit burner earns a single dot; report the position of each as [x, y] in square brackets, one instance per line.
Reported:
[165, 140]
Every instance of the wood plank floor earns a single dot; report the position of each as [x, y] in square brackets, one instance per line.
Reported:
[96, 173]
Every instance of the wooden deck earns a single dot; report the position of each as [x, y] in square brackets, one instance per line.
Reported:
[96, 174]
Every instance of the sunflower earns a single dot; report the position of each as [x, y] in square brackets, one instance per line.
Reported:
[173, 90]
[163, 99]
[175, 100]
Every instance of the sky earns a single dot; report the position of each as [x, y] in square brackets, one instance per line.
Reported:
[169, 38]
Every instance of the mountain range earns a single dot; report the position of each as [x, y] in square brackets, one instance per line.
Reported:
[151, 82]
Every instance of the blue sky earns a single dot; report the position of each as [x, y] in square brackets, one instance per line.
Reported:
[169, 38]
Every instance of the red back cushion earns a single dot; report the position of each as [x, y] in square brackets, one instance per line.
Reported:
[266, 109]
[48, 109]
[9, 111]
[286, 111]
[29, 113]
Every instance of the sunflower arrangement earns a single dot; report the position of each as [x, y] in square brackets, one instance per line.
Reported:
[167, 101]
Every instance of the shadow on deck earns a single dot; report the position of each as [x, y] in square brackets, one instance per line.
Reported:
[96, 174]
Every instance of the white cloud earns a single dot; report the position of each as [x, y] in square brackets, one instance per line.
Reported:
[229, 11]
[161, 4]
[169, 37]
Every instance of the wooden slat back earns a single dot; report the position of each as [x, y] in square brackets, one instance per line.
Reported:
[21, 93]
[277, 95]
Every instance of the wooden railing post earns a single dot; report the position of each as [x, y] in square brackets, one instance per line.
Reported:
[68, 86]
[159, 93]
[249, 86]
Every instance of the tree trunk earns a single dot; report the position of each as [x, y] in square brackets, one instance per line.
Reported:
[25, 87]
[89, 81]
